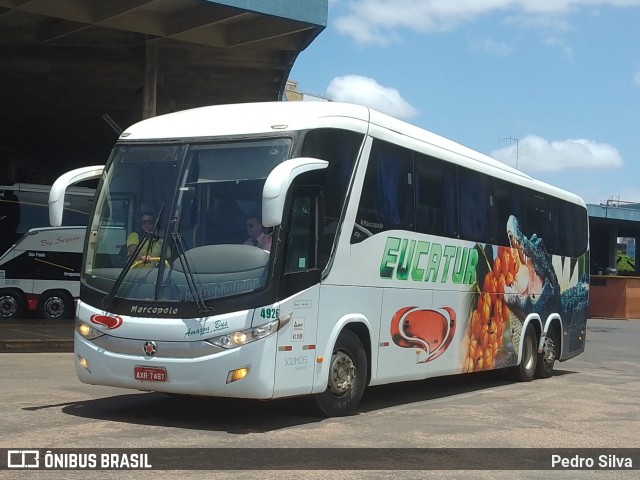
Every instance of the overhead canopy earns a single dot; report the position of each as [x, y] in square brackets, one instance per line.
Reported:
[67, 65]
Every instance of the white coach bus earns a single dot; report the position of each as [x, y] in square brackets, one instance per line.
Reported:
[395, 255]
[40, 266]
[41, 272]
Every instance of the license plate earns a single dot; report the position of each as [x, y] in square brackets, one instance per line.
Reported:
[150, 374]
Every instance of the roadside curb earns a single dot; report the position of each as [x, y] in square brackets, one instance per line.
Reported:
[32, 346]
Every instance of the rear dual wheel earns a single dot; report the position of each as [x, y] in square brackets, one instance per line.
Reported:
[56, 304]
[550, 353]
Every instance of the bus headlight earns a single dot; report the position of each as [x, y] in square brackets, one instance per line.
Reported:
[87, 331]
[242, 337]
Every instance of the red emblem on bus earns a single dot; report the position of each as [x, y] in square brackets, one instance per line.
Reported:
[106, 321]
[150, 348]
[428, 330]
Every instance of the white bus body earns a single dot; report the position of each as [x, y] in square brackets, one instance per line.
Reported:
[24, 211]
[396, 255]
[24, 206]
[42, 272]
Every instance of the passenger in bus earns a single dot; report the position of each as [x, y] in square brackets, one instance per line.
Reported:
[151, 250]
[257, 235]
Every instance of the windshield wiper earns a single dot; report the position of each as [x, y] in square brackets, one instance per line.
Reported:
[184, 263]
[148, 238]
[188, 273]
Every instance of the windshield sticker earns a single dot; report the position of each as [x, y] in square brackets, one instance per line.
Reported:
[297, 335]
[224, 289]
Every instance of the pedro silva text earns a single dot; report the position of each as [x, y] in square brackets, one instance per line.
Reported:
[603, 461]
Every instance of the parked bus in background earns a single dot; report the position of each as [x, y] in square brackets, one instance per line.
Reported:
[40, 267]
[396, 255]
[41, 272]
[24, 206]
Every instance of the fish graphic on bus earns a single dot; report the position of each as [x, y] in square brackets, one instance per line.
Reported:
[429, 331]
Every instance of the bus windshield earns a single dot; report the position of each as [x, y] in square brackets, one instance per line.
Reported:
[181, 222]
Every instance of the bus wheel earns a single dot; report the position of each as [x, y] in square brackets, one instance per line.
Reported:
[12, 305]
[55, 304]
[525, 371]
[549, 355]
[347, 377]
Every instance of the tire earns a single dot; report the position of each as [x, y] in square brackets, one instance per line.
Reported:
[55, 305]
[525, 371]
[12, 304]
[549, 355]
[347, 377]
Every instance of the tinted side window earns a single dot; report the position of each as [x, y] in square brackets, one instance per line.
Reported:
[387, 194]
[436, 196]
[34, 210]
[570, 225]
[579, 236]
[474, 191]
[507, 199]
[340, 148]
[539, 219]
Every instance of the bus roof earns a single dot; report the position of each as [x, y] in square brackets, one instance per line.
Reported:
[242, 119]
[268, 117]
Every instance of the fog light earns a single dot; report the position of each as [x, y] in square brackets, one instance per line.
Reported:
[238, 374]
[83, 363]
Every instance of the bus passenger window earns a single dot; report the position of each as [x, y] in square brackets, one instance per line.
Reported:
[387, 194]
[475, 202]
[436, 195]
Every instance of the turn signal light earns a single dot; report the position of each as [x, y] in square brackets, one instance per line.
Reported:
[235, 375]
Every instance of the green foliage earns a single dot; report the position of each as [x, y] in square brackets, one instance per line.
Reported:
[625, 263]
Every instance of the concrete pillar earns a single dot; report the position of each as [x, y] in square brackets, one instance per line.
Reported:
[150, 88]
[613, 246]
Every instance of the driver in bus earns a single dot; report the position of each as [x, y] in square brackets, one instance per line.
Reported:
[149, 255]
[257, 236]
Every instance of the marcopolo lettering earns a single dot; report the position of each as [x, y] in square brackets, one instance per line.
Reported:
[154, 310]
[421, 261]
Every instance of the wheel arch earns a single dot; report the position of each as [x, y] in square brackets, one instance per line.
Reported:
[534, 320]
[361, 327]
[554, 322]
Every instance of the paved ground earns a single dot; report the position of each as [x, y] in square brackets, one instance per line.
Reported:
[591, 402]
[33, 335]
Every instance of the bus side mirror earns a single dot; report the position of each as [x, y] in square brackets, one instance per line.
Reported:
[278, 183]
[59, 187]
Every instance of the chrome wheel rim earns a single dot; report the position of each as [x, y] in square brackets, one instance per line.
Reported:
[53, 307]
[8, 306]
[343, 373]
[549, 352]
